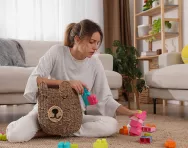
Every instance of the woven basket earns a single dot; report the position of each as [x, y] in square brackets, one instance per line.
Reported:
[145, 99]
[59, 109]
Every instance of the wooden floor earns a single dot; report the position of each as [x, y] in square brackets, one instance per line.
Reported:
[10, 113]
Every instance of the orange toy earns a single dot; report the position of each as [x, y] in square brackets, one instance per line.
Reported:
[170, 144]
[150, 125]
[124, 130]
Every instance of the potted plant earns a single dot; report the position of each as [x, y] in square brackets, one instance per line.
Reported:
[125, 62]
[149, 4]
[156, 28]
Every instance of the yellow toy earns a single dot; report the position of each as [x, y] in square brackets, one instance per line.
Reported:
[184, 54]
[100, 143]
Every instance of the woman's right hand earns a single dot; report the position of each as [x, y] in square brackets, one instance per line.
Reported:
[78, 86]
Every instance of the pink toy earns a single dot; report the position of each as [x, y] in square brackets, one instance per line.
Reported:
[135, 123]
[141, 115]
[136, 119]
[92, 100]
[148, 129]
[135, 131]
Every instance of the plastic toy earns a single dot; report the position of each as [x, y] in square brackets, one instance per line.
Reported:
[88, 98]
[184, 54]
[141, 115]
[100, 143]
[170, 144]
[135, 123]
[148, 129]
[67, 145]
[150, 125]
[3, 137]
[124, 130]
[135, 131]
[145, 139]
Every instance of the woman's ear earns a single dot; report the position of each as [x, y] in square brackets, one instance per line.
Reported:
[76, 39]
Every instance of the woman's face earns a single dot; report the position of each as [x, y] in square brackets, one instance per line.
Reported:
[88, 46]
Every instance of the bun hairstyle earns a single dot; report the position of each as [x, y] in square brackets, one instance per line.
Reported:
[83, 29]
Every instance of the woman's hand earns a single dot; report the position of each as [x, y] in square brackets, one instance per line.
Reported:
[78, 86]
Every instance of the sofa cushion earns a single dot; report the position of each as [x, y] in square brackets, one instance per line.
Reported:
[172, 77]
[14, 79]
[114, 79]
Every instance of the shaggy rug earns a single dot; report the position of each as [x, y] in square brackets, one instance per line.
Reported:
[167, 127]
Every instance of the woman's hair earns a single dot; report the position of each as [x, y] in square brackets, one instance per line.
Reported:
[84, 28]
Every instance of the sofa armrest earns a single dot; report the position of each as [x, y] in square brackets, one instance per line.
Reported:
[106, 60]
[168, 59]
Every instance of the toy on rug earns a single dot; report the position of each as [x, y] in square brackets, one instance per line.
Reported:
[170, 143]
[88, 98]
[146, 139]
[136, 123]
[66, 145]
[124, 130]
[100, 143]
[3, 137]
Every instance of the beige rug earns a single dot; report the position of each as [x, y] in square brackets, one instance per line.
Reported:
[167, 127]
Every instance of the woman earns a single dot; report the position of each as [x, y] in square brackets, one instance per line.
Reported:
[73, 62]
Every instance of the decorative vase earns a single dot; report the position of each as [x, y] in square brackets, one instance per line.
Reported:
[155, 3]
[143, 30]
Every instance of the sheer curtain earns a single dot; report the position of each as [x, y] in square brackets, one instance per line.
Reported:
[45, 19]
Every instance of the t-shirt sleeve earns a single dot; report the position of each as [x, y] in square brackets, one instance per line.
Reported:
[43, 69]
[107, 106]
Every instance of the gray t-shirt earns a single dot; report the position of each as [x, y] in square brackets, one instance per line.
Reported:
[58, 63]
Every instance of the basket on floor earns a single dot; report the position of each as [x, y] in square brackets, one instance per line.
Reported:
[145, 99]
[59, 109]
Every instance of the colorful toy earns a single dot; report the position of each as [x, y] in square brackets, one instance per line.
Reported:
[145, 139]
[88, 98]
[150, 125]
[67, 145]
[3, 137]
[124, 130]
[148, 129]
[184, 54]
[136, 123]
[100, 143]
[170, 144]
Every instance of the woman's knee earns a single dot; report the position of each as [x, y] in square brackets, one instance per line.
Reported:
[22, 130]
[110, 126]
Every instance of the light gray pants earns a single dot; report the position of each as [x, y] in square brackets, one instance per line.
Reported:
[25, 128]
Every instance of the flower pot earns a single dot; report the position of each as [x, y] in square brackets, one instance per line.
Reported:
[174, 27]
[168, 2]
[155, 3]
[143, 30]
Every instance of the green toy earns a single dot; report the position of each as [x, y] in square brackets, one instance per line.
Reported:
[3, 137]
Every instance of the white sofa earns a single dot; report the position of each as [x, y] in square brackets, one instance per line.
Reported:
[13, 79]
[170, 81]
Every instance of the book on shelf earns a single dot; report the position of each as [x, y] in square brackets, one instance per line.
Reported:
[148, 53]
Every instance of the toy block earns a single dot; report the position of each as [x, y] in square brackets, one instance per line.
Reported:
[148, 129]
[92, 100]
[64, 145]
[136, 119]
[135, 131]
[88, 98]
[3, 137]
[74, 145]
[141, 115]
[135, 124]
[145, 139]
[147, 134]
[124, 130]
[100, 143]
[170, 144]
[150, 125]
